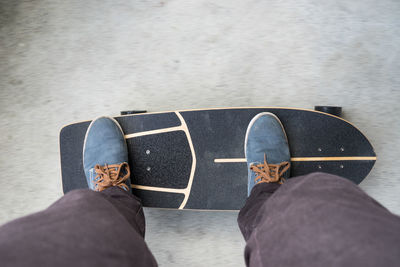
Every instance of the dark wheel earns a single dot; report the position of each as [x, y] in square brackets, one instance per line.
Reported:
[129, 112]
[337, 111]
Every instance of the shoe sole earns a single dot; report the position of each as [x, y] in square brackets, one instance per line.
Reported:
[87, 131]
[253, 121]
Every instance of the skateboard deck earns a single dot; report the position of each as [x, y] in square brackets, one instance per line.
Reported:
[194, 159]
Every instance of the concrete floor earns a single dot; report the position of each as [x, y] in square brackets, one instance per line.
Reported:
[65, 61]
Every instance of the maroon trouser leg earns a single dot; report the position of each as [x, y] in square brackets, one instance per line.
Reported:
[313, 220]
[318, 220]
[83, 228]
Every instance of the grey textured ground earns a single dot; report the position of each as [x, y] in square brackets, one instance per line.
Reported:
[65, 61]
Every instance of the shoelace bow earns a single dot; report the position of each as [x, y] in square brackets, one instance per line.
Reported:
[111, 175]
[270, 173]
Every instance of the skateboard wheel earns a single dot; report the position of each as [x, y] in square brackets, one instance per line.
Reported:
[336, 111]
[128, 112]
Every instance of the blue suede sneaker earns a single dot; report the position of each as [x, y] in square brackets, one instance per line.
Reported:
[266, 140]
[105, 155]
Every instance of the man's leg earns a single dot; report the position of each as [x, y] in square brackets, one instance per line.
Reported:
[86, 228]
[314, 220]
[318, 220]
[83, 228]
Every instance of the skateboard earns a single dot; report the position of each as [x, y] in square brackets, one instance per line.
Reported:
[194, 159]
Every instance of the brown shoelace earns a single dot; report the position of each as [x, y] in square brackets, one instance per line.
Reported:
[270, 173]
[111, 175]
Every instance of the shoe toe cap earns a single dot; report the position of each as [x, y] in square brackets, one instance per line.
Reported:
[104, 144]
[267, 136]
